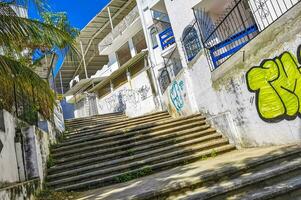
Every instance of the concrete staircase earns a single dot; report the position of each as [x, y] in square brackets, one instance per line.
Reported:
[268, 177]
[244, 174]
[109, 149]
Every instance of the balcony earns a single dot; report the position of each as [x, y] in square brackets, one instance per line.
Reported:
[236, 25]
[166, 38]
[118, 30]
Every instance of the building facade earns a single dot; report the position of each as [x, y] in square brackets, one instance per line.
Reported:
[224, 47]
[237, 62]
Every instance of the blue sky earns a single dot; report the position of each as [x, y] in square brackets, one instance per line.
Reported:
[79, 12]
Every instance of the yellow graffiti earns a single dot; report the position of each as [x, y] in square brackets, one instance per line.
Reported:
[277, 84]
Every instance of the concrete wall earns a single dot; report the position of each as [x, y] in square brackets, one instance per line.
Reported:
[36, 147]
[81, 108]
[177, 99]
[225, 97]
[24, 151]
[8, 160]
[22, 191]
[135, 98]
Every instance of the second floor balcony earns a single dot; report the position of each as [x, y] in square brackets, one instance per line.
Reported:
[125, 25]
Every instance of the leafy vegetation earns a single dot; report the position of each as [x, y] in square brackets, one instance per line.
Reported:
[50, 162]
[130, 176]
[21, 40]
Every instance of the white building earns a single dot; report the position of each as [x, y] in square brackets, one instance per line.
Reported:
[115, 74]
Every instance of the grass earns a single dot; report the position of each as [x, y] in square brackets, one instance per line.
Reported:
[130, 176]
[213, 153]
[131, 152]
[50, 162]
[61, 137]
[52, 195]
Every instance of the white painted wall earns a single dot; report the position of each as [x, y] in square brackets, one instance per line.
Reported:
[135, 98]
[8, 160]
[35, 150]
[223, 95]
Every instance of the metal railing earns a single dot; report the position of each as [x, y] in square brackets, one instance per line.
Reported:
[240, 23]
[164, 79]
[166, 38]
[191, 41]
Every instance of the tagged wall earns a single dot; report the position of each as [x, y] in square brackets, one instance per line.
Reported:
[254, 98]
[176, 97]
[134, 98]
[277, 87]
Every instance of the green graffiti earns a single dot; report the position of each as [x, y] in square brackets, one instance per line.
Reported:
[277, 84]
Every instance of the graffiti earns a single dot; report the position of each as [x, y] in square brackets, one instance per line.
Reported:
[277, 86]
[176, 96]
[118, 102]
[143, 91]
[262, 9]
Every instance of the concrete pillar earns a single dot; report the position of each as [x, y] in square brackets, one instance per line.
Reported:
[132, 47]
[112, 86]
[84, 59]
[113, 62]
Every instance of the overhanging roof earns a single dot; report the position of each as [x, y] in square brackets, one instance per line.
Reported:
[90, 36]
[83, 84]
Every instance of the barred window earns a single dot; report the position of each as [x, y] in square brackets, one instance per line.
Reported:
[191, 42]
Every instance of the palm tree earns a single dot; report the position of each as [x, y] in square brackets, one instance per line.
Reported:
[20, 38]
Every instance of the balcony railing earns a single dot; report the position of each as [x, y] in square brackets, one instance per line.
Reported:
[119, 29]
[240, 23]
[166, 38]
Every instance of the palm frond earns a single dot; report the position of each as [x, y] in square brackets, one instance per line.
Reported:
[23, 32]
[39, 5]
[28, 82]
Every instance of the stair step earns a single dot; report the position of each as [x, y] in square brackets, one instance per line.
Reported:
[139, 149]
[226, 171]
[143, 155]
[90, 121]
[108, 117]
[162, 138]
[155, 167]
[104, 133]
[122, 136]
[94, 122]
[244, 180]
[280, 191]
[124, 121]
[94, 116]
[115, 126]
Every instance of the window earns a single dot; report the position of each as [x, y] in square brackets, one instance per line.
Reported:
[136, 68]
[164, 79]
[153, 34]
[191, 42]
